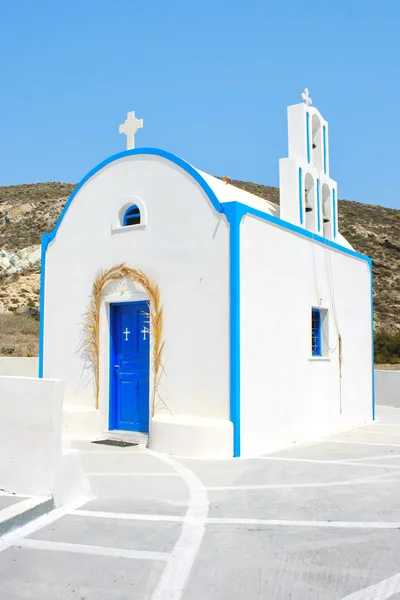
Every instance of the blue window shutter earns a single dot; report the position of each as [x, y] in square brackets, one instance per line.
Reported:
[316, 332]
[131, 216]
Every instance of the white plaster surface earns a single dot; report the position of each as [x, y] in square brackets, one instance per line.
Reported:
[19, 366]
[191, 436]
[184, 248]
[226, 192]
[80, 422]
[387, 388]
[285, 396]
[32, 462]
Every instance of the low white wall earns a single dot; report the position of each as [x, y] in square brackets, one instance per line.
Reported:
[19, 366]
[31, 457]
[387, 388]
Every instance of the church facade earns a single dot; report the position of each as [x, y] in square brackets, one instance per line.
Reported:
[178, 306]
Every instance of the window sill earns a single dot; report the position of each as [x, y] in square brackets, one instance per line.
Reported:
[319, 358]
[120, 229]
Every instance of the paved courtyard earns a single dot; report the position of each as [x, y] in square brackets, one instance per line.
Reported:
[315, 521]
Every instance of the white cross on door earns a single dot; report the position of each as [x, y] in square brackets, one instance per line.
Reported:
[126, 333]
[145, 329]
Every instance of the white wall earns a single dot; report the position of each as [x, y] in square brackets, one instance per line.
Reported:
[287, 396]
[387, 388]
[31, 459]
[21, 366]
[30, 425]
[184, 248]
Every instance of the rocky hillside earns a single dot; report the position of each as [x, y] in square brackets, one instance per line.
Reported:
[27, 211]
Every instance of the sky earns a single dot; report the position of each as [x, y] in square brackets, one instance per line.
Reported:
[211, 79]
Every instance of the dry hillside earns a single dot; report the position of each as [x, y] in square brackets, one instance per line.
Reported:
[27, 211]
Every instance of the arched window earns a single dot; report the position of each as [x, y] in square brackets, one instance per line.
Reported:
[310, 203]
[327, 211]
[317, 149]
[131, 216]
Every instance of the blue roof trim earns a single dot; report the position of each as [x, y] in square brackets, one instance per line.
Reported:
[234, 215]
[373, 345]
[244, 209]
[138, 152]
[46, 238]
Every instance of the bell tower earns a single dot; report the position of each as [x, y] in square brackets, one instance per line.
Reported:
[308, 196]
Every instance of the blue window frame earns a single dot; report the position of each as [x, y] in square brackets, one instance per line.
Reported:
[131, 216]
[316, 332]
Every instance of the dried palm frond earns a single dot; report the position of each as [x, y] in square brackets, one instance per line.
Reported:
[92, 321]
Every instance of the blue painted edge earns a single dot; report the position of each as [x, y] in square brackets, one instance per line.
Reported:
[136, 152]
[334, 208]
[308, 137]
[111, 404]
[373, 344]
[234, 212]
[296, 229]
[318, 205]
[301, 194]
[324, 136]
[46, 238]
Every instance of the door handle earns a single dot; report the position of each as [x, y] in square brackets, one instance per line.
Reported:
[116, 366]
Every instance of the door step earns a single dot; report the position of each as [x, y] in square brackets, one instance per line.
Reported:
[118, 443]
[134, 437]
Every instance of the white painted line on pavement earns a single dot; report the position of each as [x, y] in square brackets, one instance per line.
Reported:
[176, 573]
[361, 443]
[12, 538]
[379, 591]
[98, 514]
[280, 522]
[277, 486]
[360, 431]
[345, 461]
[240, 521]
[135, 474]
[93, 550]
[379, 457]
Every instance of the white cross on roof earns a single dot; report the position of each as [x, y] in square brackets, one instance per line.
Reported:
[305, 96]
[129, 128]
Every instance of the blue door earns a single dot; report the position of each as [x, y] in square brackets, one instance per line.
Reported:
[129, 366]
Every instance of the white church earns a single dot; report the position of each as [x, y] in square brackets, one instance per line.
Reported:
[205, 321]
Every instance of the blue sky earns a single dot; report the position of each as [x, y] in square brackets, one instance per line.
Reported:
[211, 80]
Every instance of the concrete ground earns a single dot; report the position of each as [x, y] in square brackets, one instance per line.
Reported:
[16, 510]
[317, 521]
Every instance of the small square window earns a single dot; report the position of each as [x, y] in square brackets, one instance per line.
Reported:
[316, 332]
